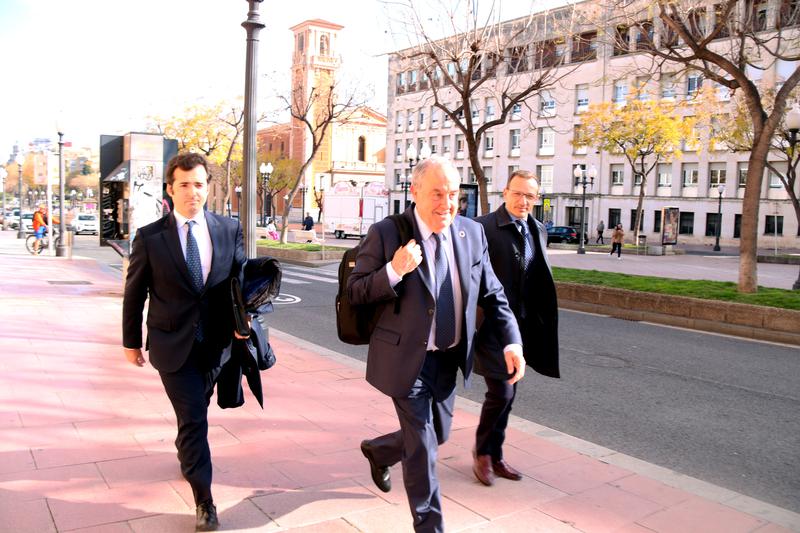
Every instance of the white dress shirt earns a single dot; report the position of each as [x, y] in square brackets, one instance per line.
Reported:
[429, 245]
[201, 235]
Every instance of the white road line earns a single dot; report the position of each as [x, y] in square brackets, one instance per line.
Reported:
[312, 276]
[291, 281]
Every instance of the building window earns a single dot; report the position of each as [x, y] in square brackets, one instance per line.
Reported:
[620, 96]
[664, 175]
[641, 87]
[773, 225]
[686, 223]
[488, 144]
[410, 121]
[737, 226]
[446, 144]
[487, 173]
[690, 174]
[324, 45]
[399, 124]
[434, 117]
[637, 178]
[581, 97]
[576, 181]
[517, 59]
[741, 170]
[433, 144]
[398, 150]
[399, 178]
[574, 217]
[547, 104]
[774, 180]
[645, 36]
[712, 219]
[412, 81]
[716, 174]
[476, 113]
[694, 82]
[547, 141]
[584, 46]
[578, 143]
[622, 43]
[657, 221]
[516, 111]
[301, 43]
[617, 174]
[668, 86]
[614, 217]
[513, 141]
[460, 145]
[489, 109]
[470, 175]
[545, 173]
[633, 220]
[362, 148]
[421, 119]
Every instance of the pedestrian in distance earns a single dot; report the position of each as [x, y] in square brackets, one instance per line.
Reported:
[189, 319]
[518, 252]
[616, 241]
[308, 222]
[600, 229]
[427, 292]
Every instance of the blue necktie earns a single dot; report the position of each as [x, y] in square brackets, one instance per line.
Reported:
[445, 311]
[527, 251]
[195, 270]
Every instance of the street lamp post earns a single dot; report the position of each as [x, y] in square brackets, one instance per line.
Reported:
[3, 175]
[721, 191]
[584, 178]
[238, 190]
[792, 123]
[266, 171]
[413, 158]
[73, 194]
[61, 249]
[19, 160]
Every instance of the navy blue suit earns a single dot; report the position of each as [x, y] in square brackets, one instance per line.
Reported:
[421, 382]
[188, 368]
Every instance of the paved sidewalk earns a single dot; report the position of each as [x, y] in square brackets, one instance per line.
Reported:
[86, 441]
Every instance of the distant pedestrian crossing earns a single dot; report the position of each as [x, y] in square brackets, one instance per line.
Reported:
[303, 276]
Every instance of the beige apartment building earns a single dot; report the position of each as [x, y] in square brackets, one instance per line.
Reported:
[538, 136]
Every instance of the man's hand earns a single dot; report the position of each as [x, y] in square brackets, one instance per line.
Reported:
[515, 364]
[407, 258]
[134, 356]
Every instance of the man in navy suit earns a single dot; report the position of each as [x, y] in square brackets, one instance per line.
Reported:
[518, 251]
[184, 262]
[427, 291]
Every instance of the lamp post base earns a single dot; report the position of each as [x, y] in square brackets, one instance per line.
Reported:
[62, 251]
[21, 234]
[716, 248]
[796, 286]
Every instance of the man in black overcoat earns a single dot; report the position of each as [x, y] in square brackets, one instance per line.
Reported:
[518, 252]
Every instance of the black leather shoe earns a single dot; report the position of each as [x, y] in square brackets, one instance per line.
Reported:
[380, 474]
[206, 517]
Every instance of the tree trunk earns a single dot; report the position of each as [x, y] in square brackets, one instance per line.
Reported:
[748, 240]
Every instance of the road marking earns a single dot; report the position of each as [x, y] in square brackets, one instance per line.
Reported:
[314, 277]
[286, 299]
[291, 281]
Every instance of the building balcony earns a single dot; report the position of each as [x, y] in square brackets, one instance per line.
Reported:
[358, 167]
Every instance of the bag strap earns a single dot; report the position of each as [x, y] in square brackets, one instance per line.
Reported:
[406, 232]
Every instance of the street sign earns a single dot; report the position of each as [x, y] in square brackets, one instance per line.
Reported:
[546, 203]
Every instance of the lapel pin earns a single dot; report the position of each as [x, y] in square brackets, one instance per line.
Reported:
[462, 234]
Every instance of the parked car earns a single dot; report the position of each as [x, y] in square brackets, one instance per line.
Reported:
[566, 234]
[27, 222]
[86, 223]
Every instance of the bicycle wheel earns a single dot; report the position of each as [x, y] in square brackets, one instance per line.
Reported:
[29, 244]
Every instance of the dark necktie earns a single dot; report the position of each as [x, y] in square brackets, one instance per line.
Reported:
[445, 312]
[195, 270]
[527, 251]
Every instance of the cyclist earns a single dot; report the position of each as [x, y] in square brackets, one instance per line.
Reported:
[40, 220]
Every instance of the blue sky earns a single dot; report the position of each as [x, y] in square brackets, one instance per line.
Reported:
[91, 67]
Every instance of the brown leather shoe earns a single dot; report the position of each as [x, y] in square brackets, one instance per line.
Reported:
[482, 468]
[504, 470]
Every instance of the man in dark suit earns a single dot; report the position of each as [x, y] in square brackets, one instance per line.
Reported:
[184, 262]
[517, 248]
[427, 291]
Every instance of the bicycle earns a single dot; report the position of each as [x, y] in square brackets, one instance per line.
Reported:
[43, 244]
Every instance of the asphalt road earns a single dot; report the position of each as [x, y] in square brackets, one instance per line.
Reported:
[717, 408]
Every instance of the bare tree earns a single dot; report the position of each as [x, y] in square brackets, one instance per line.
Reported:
[724, 42]
[507, 62]
[317, 111]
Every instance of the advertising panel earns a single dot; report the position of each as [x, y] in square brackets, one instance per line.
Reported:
[670, 217]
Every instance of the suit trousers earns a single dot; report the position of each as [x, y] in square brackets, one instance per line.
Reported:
[425, 416]
[496, 409]
[189, 390]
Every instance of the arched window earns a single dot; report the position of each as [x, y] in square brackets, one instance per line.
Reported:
[300, 42]
[323, 45]
[362, 148]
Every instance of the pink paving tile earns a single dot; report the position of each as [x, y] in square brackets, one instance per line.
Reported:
[116, 505]
[313, 505]
[241, 516]
[329, 526]
[84, 452]
[26, 517]
[323, 469]
[24, 438]
[542, 448]
[458, 517]
[505, 497]
[772, 528]
[391, 518]
[118, 527]
[652, 490]
[696, 514]
[601, 509]
[633, 528]
[526, 521]
[16, 461]
[577, 474]
[138, 470]
[58, 482]
[10, 419]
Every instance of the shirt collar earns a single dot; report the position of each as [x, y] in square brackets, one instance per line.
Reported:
[199, 218]
[424, 231]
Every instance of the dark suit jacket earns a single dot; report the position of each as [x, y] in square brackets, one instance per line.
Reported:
[398, 345]
[158, 269]
[533, 290]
